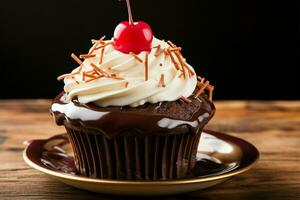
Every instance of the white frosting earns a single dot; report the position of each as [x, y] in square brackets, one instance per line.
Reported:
[210, 144]
[171, 123]
[76, 112]
[112, 92]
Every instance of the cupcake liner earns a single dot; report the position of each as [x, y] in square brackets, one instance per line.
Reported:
[156, 157]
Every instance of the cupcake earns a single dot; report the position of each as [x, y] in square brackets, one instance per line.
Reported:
[134, 108]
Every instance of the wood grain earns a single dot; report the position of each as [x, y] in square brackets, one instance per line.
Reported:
[272, 126]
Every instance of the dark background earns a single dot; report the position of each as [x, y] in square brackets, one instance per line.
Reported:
[247, 49]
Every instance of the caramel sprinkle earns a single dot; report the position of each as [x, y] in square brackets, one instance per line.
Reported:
[95, 72]
[172, 44]
[185, 99]
[76, 59]
[67, 75]
[94, 41]
[85, 56]
[126, 84]
[97, 69]
[63, 76]
[209, 87]
[117, 77]
[179, 57]
[201, 89]
[181, 75]
[166, 52]
[91, 76]
[210, 95]
[173, 59]
[105, 74]
[96, 44]
[176, 49]
[98, 41]
[158, 51]
[92, 79]
[83, 76]
[90, 71]
[162, 81]
[136, 57]
[206, 86]
[201, 79]
[104, 45]
[191, 72]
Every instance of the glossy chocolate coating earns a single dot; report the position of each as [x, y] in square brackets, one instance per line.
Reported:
[164, 118]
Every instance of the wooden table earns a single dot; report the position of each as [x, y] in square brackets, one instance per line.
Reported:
[273, 127]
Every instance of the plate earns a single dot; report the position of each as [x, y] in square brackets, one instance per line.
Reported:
[220, 157]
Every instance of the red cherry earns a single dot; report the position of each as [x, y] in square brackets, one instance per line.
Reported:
[136, 37]
[132, 36]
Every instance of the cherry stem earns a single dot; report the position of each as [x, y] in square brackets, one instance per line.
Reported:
[129, 13]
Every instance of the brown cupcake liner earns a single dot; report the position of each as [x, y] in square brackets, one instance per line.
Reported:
[132, 157]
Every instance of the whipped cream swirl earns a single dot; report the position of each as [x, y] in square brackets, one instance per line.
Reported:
[131, 89]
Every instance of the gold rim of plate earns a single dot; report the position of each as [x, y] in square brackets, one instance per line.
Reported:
[131, 182]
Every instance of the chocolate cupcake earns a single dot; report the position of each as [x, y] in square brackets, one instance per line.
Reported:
[134, 116]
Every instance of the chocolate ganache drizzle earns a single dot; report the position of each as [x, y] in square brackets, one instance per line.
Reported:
[173, 117]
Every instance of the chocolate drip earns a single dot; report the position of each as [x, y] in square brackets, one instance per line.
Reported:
[163, 118]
